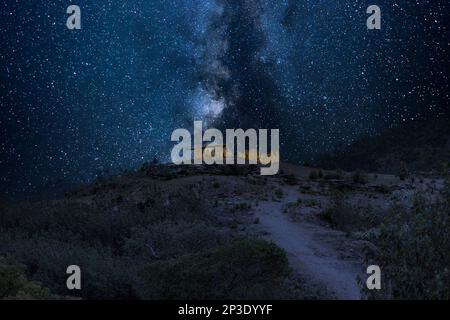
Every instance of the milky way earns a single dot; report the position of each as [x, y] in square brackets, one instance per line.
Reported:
[75, 104]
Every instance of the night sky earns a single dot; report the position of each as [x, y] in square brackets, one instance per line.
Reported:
[75, 104]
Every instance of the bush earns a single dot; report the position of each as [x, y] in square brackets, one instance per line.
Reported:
[343, 216]
[279, 193]
[291, 180]
[15, 285]
[337, 175]
[403, 172]
[105, 275]
[313, 175]
[245, 269]
[360, 177]
[167, 240]
[412, 248]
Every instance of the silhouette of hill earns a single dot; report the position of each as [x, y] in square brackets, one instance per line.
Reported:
[422, 145]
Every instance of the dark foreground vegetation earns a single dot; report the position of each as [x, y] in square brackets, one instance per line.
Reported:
[135, 237]
[164, 234]
[411, 244]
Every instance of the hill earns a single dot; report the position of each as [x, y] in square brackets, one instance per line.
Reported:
[423, 145]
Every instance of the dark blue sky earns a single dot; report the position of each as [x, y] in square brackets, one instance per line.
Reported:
[75, 103]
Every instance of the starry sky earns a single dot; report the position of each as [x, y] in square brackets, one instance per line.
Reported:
[75, 104]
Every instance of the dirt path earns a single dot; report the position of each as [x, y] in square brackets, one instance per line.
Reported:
[308, 252]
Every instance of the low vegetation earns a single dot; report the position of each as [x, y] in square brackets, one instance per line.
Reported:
[245, 269]
[412, 247]
[14, 284]
[349, 218]
[409, 243]
[135, 239]
[360, 177]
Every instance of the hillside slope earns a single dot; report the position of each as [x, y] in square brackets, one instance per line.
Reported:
[422, 145]
[165, 231]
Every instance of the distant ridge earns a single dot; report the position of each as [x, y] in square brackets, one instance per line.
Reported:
[423, 145]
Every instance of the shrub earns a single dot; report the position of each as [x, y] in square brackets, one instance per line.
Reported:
[105, 275]
[313, 175]
[15, 285]
[337, 175]
[343, 216]
[384, 189]
[168, 240]
[290, 180]
[360, 177]
[242, 206]
[279, 193]
[246, 269]
[403, 172]
[412, 247]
